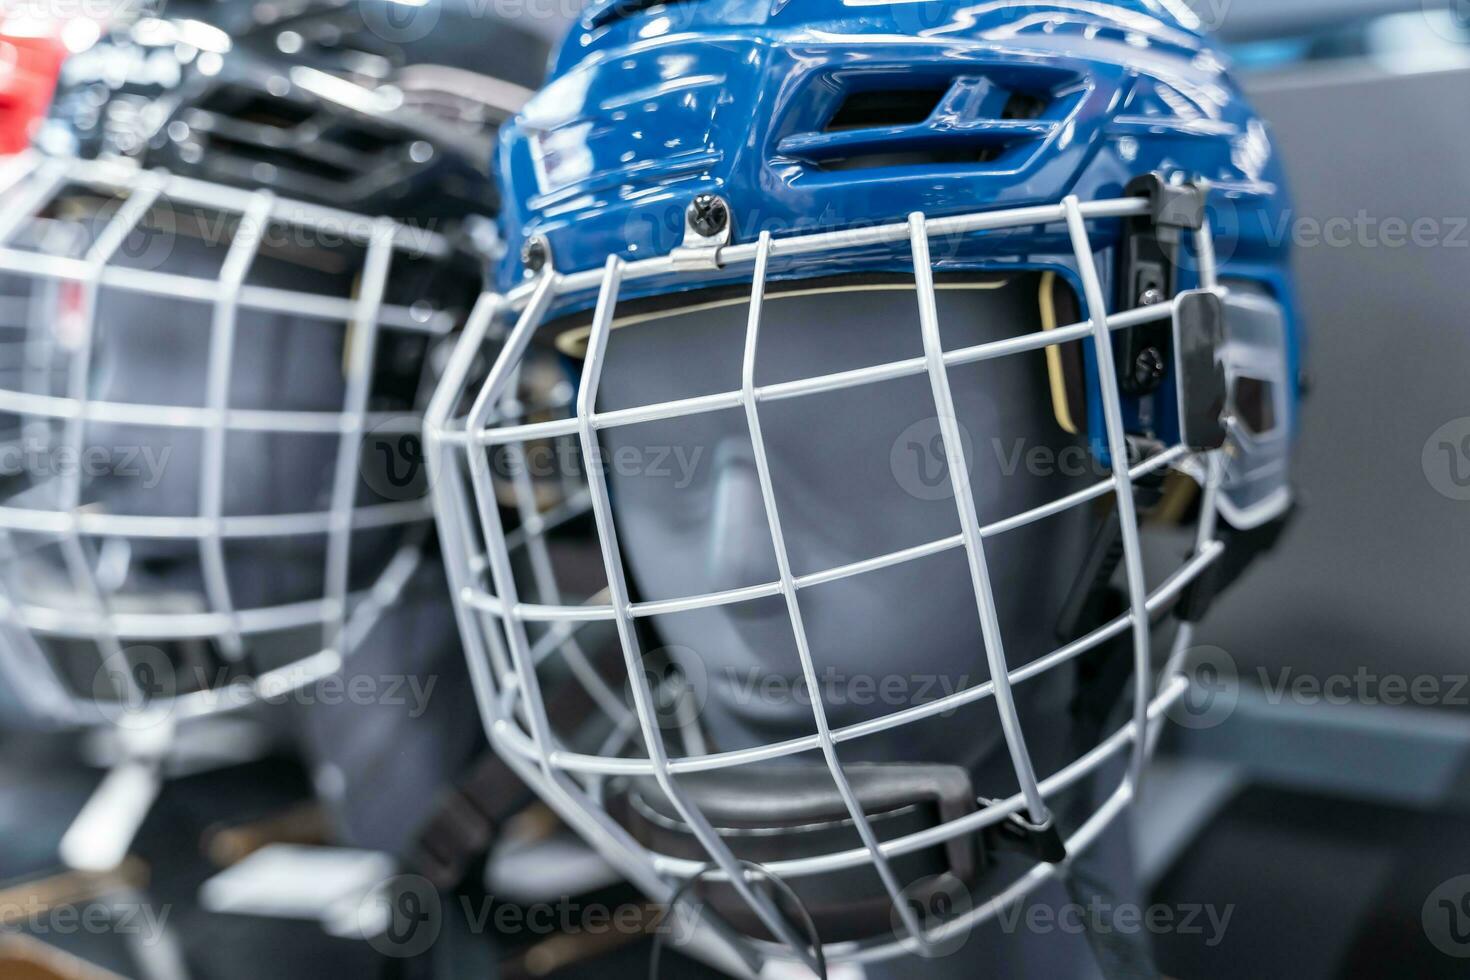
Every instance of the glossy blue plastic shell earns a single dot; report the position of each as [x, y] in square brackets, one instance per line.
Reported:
[824, 114]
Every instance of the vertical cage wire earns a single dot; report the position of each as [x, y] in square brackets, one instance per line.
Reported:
[237, 264]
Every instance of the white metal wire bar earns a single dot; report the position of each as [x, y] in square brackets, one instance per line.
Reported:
[38, 355]
[544, 578]
[587, 818]
[31, 197]
[551, 766]
[31, 678]
[487, 508]
[1204, 255]
[76, 624]
[993, 813]
[374, 601]
[190, 417]
[447, 488]
[607, 535]
[98, 524]
[1080, 841]
[362, 343]
[237, 263]
[572, 507]
[31, 185]
[552, 639]
[1204, 538]
[119, 175]
[959, 475]
[1107, 380]
[268, 299]
[1161, 597]
[787, 581]
[74, 551]
[16, 168]
[737, 255]
[502, 375]
[484, 640]
[546, 612]
[805, 386]
[724, 400]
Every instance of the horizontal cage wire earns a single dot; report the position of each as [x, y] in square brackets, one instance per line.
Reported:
[504, 658]
[57, 405]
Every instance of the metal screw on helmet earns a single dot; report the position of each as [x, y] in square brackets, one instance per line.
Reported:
[1148, 368]
[707, 215]
[707, 230]
[1150, 296]
[536, 254]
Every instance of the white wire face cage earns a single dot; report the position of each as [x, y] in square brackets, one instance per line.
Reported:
[200, 391]
[526, 625]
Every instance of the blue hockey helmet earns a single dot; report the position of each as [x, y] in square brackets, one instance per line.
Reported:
[913, 343]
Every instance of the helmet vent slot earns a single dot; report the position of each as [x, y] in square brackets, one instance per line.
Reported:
[954, 118]
[250, 107]
[939, 155]
[1025, 105]
[615, 10]
[886, 107]
[283, 159]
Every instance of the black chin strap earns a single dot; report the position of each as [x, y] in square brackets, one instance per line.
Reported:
[1121, 954]
[471, 813]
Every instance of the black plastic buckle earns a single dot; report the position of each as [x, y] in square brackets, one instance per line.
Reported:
[1148, 274]
[1241, 548]
[1018, 835]
[1199, 340]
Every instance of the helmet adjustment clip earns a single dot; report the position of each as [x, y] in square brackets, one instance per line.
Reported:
[1148, 274]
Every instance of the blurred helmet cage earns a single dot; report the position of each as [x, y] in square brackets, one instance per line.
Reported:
[520, 621]
[272, 355]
